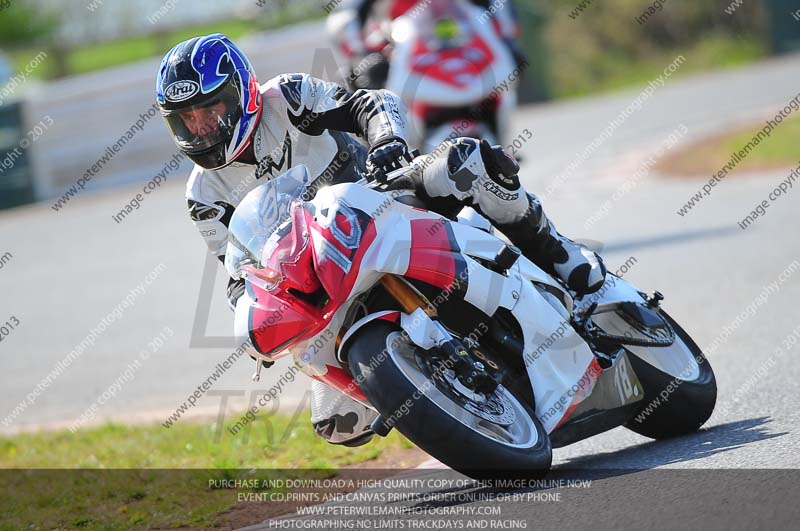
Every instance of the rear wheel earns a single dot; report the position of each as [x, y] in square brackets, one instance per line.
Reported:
[481, 436]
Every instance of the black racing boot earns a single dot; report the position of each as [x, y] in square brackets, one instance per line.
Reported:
[575, 264]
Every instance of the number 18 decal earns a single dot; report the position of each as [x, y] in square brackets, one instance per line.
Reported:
[623, 380]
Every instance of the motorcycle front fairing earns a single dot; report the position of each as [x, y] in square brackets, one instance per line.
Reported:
[301, 260]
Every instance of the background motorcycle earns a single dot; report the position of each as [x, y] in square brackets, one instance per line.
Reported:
[452, 71]
[473, 352]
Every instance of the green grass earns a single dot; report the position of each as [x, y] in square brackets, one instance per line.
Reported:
[98, 56]
[617, 71]
[779, 150]
[146, 496]
[110, 501]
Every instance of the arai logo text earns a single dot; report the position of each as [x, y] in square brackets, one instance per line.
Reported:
[181, 90]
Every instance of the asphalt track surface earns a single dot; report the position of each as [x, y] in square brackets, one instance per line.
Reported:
[71, 268]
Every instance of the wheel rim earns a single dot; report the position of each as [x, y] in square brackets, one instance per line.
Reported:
[515, 427]
[678, 360]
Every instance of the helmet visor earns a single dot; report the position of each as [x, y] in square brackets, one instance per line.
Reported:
[203, 125]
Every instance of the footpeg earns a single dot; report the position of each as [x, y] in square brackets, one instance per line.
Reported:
[257, 375]
[261, 363]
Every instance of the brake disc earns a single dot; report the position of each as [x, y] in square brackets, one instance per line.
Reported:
[496, 407]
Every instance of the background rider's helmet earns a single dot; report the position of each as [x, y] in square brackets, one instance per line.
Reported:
[209, 97]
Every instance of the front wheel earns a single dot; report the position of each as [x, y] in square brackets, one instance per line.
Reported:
[680, 389]
[478, 435]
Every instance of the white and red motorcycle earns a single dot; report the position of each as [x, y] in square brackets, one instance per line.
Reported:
[447, 63]
[470, 350]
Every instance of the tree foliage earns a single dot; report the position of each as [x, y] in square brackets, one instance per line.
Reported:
[22, 25]
[588, 47]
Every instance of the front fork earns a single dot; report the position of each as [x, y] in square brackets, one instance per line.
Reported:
[470, 371]
[424, 329]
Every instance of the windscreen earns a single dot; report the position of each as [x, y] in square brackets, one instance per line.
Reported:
[256, 220]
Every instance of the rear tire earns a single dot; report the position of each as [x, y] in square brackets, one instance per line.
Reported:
[686, 407]
[382, 369]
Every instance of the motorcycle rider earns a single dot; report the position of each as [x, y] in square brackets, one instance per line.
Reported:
[347, 22]
[240, 134]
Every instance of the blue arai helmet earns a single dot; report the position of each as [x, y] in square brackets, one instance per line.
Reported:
[210, 100]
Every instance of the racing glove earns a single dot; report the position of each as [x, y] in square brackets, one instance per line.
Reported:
[386, 158]
[501, 167]
[235, 290]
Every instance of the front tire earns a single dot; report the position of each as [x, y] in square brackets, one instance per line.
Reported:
[673, 406]
[391, 373]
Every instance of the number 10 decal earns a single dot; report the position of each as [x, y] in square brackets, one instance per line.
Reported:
[351, 241]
